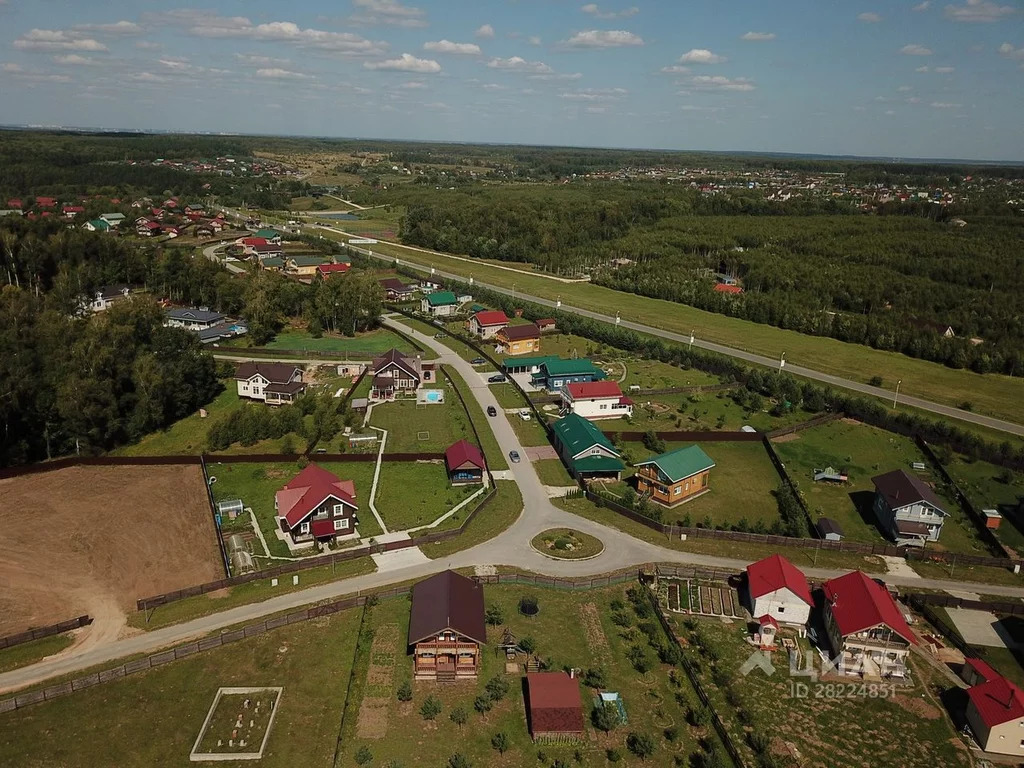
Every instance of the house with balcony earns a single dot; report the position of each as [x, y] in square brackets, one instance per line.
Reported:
[271, 383]
[518, 339]
[554, 373]
[585, 449]
[596, 400]
[396, 290]
[465, 463]
[192, 319]
[866, 629]
[316, 507]
[675, 477]
[447, 628]
[487, 323]
[908, 511]
[108, 296]
[396, 374]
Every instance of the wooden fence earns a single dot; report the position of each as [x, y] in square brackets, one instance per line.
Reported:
[817, 421]
[684, 436]
[39, 633]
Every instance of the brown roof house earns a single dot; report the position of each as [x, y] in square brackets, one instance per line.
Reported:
[446, 627]
[555, 707]
[394, 373]
[273, 383]
[908, 511]
[518, 339]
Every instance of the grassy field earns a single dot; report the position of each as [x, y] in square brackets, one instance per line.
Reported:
[910, 729]
[411, 494]
[698, 412]
[256, 484]
[992, 487]
[416, 428]
[31, 652]
[488, 443]
[552, 472]
[375, 342]
[992, 394]
[570, 629]
[864, 452]
[151, 719]
[498, 515]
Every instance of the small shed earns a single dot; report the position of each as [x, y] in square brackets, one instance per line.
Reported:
[465, 463]
[830, 475]
[767, 627]
[359, 404]
[828, 529]
[992, 518]
[555, 707]
[232, 508]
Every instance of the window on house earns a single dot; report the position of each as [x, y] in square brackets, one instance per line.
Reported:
[704, 481]
[304, 528]
[340, 525]
[338, 509]
[678, 490]
[782, 609]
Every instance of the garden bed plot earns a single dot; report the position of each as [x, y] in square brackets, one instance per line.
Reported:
[865, 452]
[839, 725]
[712, 599]
[95, 563]
[238, 724]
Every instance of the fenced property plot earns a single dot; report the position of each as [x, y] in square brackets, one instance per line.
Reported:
[93, 539]
[238, 725]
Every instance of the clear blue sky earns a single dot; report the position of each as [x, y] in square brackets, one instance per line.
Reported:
[911, 78]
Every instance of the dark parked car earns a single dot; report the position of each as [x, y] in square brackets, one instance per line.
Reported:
[492, 411]
[514, 455]
[497, 379]
[477, 361]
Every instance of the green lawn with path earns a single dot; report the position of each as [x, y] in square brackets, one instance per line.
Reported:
[151, 719]
[375, 342]
[429, 428]
[552, 472]
[499, 514]
[411, 494]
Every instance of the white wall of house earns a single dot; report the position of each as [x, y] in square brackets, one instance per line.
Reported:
[597, 408]
[783, 606]
[253, 388]
[918, 512]
[484, 331]
[1004, 739]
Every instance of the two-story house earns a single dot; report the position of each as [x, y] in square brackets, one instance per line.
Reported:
[778, 589]
[396, 290]
[440, 304]
[316, 507]
[272, 383]
[553, 374]
[446, 627]
[866, 629]
[995, 711]
[585, 449]
[486, 324]
[908, 511]
[518, 339]
[674, 477]
[596, 400]
[108, 295]
[395, 373]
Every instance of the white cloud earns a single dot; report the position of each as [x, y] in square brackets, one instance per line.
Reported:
[913, 49]
[486, 31]
[979, 11]
[116, 28]
[57, 40]
[10, 66]
[604, 38]
[413, 85]
[595, 94]
[493, 87]
[720, 83]
[596, 110]
[904, 89]
[260, 61]
[945, 70]
[74, 60]
[148, 45]
[890, 112]
[533, 40]
[554, 76]
[925, 68]
[406, 63]
[758, 36]
[519, 64]
[943, 105]
[701, 56]
[1007, 50]
[276, 73]
[675, 69]
[869, 17]
[922, 6]
[447, 46]
[388, 12]
[696, 108]
[594, 10]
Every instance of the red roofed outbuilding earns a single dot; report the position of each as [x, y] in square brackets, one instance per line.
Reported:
[46, 202]
[779, 590]
[866, 627]
[723, 288]
[555, 706]
[486, 324]
[326, 270]
[596, 400]
[316, 506]
[995, 714]
[465, 463]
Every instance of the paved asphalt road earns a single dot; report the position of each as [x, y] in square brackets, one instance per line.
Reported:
[512, 547]
[750, 357]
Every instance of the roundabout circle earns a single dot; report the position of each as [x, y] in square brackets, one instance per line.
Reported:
[567, 544]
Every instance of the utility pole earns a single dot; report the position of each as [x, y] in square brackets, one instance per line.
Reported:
[897, 395]
[691, 338]
[782, 362]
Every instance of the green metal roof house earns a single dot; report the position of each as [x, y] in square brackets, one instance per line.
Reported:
[270, 235]
[440, 303]
[679, 464]
[97, 225]
[526, 364]
[274, 262]
[585, 448]
[553, 374]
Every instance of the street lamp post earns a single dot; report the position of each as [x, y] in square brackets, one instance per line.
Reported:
[897, 395]
[691, 338]
[782, 362]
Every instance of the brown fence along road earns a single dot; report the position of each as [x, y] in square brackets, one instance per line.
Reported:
[817, 421]
[40, 632]
[707, 436]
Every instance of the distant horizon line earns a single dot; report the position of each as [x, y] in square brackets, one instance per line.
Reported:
[734, 152]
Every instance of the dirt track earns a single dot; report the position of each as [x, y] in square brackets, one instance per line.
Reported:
[94, 539]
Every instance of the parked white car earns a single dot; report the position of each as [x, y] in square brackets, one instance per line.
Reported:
[524, 414]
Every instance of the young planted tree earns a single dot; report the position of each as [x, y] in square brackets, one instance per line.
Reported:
[431, 708]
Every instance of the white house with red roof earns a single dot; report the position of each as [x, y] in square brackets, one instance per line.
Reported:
[778, 592]
[316, 507]
[596, 400]
[995, 711]
[866, 628]
[486, 324]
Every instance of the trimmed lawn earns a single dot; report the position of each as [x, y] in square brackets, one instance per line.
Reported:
[863, 452]
[572, 628]
[150, 719]
[529, 432]
[416, 428]
[499, 514]
[31, 652]
[910, 729]
[567, 544]
[507, 395]
[411, 494]
[256, 484]
[371, 343]
[992, 487]
[488, 443]
[552, 472]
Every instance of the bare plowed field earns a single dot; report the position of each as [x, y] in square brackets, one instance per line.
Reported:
[94, 539]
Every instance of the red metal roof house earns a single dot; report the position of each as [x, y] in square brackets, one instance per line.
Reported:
[596, 400]
[486, 324]
[326, 270]
[777, 589]
[555, 707]
[465, 463]
[315, 506]
[995, 714]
